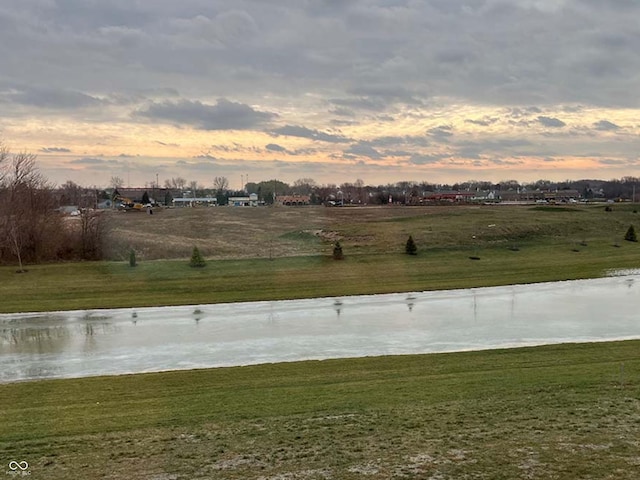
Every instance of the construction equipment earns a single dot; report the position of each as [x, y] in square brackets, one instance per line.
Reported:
[127, 204]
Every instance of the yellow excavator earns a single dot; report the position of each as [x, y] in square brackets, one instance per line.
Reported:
[127, 204]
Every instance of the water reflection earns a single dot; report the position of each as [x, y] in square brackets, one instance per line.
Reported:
[73, 344]
[34, 339]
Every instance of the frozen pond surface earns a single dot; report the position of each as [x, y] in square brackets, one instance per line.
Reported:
[103, 342]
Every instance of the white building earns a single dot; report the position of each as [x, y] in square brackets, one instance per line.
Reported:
[194, 201]
[250, 201]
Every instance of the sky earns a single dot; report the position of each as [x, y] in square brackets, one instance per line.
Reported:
[439, 91]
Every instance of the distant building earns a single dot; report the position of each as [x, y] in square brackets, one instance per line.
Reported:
[448, 197]
[194, 201]
[250, 201]
[293, 200]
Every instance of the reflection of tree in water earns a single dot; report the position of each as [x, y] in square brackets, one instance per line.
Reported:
[273, 316]
[410, 302]
[95, 317]
[337, 305]
[198, 315]
[49, 339]
[94, 325]
[48, 334]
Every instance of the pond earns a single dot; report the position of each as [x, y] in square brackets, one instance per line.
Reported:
[105, 342]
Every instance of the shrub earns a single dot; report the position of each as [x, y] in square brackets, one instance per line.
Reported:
[196, 259]
[337, 252]
[608, 209]
[132, 258]
[631, 236]
[410, 248]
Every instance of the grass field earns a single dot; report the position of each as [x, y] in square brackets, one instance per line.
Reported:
[232, 233]
[555, 412]
[514, 244]
[564, 412]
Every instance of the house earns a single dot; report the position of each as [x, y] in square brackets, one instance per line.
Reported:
[291, 200]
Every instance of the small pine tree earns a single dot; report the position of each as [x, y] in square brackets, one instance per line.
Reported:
[196, 259]
[132, 258]
[410, 248]
[337, 251]
[631, 236]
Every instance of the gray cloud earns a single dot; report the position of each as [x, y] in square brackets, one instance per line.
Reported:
[205, 156]
[364, 149]
[366, 60]
[484, 122]
[55, 150]
[441, 132]
[50, 98]
[494, 146]
[95, 162]
[391, 141]
[611, 161]
[273, 147]
[343, 123]
[464, 49]
[304, 132]
[224, 115]
[342, 112]
[422, 159]
[605, 125]
[551, 122]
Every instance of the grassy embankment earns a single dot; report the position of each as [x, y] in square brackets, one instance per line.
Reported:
[515, 245]
[569, 412]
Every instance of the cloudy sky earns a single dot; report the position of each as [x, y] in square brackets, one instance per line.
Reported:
[335, 90]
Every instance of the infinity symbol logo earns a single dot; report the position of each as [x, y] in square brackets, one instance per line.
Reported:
[13, 465]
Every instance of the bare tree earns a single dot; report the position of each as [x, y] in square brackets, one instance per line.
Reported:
[116, 182]
[15, 239]
[92, 227]
[176, 183]
[29, 228]
[304, 186]
[4, 157]
[193, 186]
[73, 194]
[221, 184]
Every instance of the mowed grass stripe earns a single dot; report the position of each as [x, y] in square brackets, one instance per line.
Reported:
[563, 403]
[172, 282]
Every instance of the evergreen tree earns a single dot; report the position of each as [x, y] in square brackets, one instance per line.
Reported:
[132, 258]
[410, 248]
[196, 259]
[145, 198]
[631, 236]
[337, 251]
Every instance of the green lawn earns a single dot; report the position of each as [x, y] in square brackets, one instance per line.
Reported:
[557, 412]
[173, 282]
[567, 412]
[515, 245]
